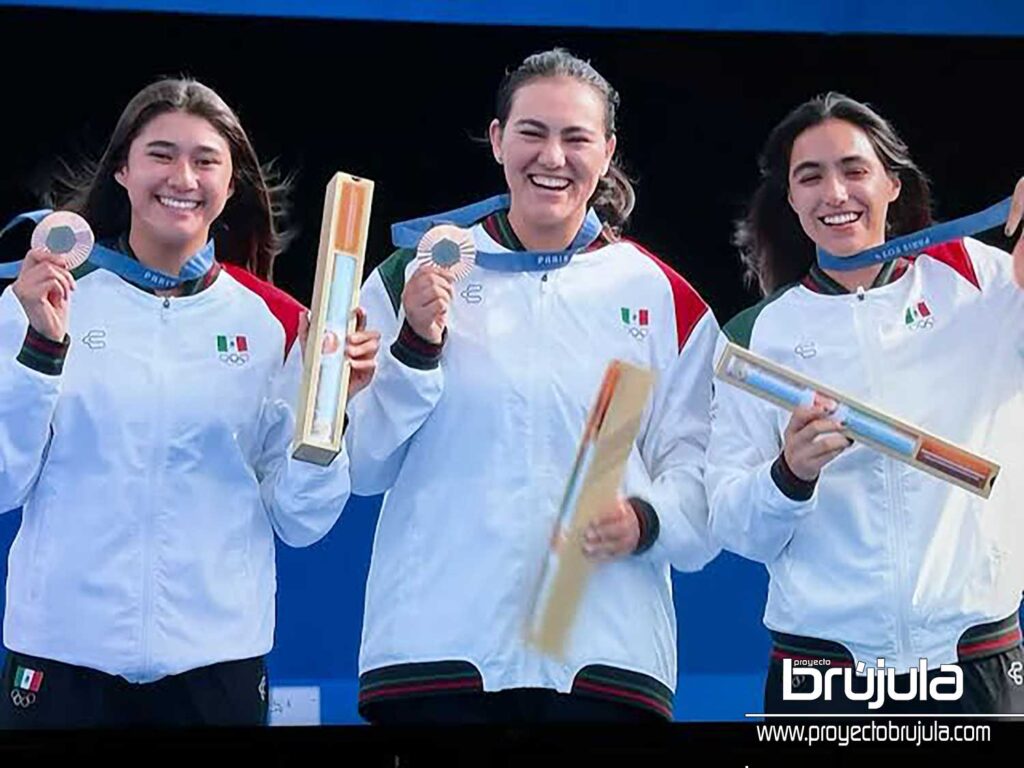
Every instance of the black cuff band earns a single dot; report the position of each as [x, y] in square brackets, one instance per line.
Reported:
[415, 351]
[791, 486]
[42, 354]
[650, 525]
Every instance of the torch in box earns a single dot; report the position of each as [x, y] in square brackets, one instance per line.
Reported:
[593, 486]
[339, 272]
[902, 441]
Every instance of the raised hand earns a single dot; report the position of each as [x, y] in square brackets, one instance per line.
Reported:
[44, 286]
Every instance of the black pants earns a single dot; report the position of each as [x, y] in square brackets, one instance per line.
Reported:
[229, 693]
[517, 706]
[991, 685]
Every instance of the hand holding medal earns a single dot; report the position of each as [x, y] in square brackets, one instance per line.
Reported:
[445, 254]
[449, 248]
[66, 234]
[60, 242]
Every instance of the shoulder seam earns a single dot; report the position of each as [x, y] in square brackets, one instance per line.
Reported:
[271, 295]
[740, 328]
[955, 255]
[392, 275]
[689, 305]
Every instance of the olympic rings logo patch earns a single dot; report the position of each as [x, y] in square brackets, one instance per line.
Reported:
[234, 358]
[638, 333]
[22, 699]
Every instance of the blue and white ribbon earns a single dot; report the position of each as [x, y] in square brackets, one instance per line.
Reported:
[915, 242]
[407, 234]
[120, 264]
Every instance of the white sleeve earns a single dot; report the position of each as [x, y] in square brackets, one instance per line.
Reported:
[28, 400]
[387, 413]
[749, 514]
[672, 444]
[303, 500]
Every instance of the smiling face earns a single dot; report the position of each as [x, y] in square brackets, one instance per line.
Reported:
[178, 176]
[554, 149]
[839, 188]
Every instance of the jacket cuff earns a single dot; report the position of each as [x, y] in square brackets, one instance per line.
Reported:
[414, 351]
[788, 483]
[42, 354]
[650, 525]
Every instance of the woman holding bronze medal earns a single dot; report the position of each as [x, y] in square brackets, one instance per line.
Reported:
[891, 590]
[148, 409]
[499, 320]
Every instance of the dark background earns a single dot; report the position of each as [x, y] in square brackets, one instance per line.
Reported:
[402, 104]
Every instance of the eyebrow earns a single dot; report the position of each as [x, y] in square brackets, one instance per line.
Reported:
[163, 144]
[813, 165]
[529, 122]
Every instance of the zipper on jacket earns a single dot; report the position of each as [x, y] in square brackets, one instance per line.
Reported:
[155, 486]
[894, 511]
[538, 440]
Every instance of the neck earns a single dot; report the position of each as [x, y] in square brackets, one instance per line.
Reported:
[556, 237]
[857, 278]
[163, 257]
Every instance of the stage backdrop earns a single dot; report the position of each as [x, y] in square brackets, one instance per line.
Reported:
[943, 17]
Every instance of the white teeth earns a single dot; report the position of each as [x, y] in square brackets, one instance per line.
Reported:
[841, 218]
[183, 205]
[550, 182]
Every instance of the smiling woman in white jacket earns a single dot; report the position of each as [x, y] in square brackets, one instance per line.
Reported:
[871, 559]
[145, 433]
[471, 428]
